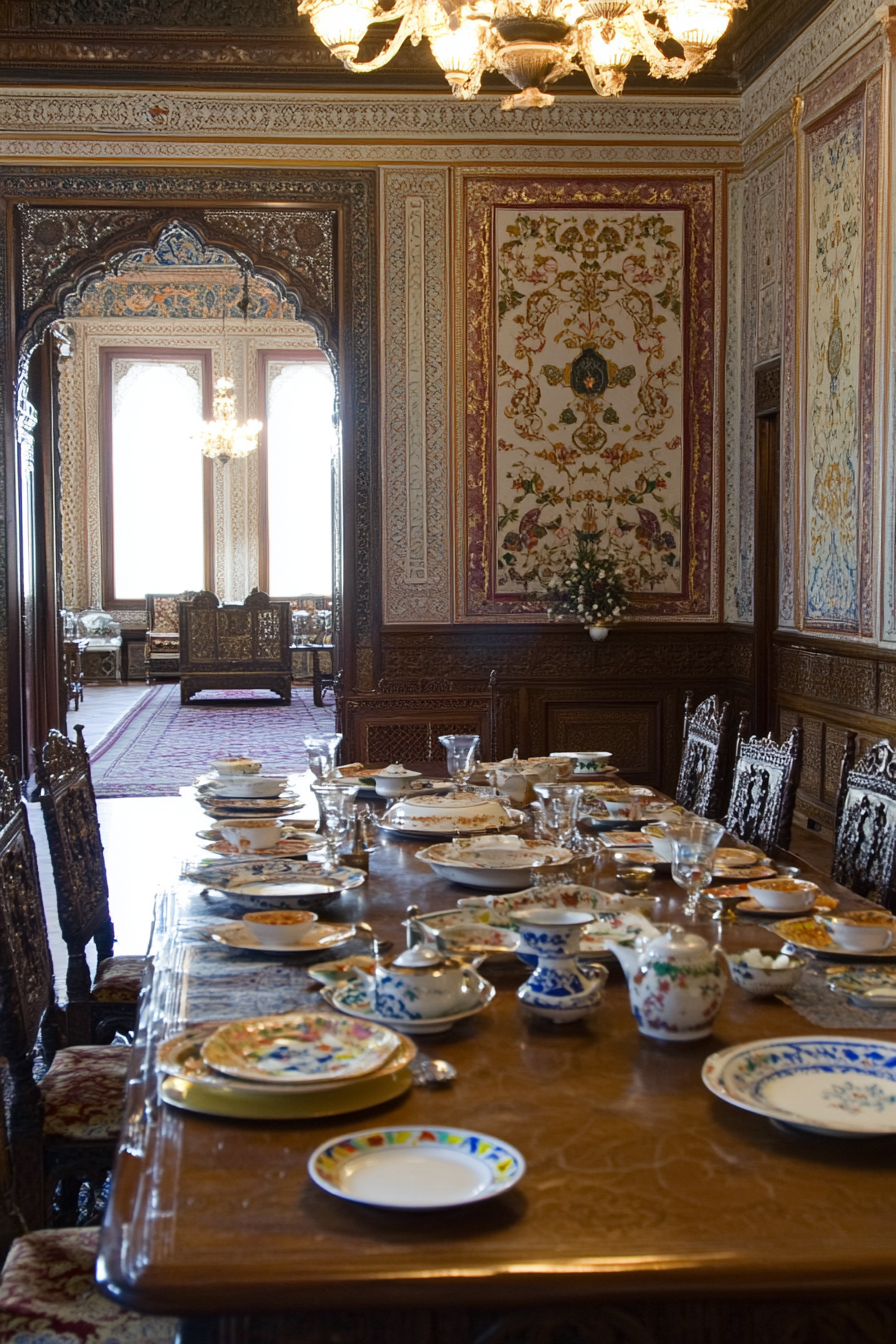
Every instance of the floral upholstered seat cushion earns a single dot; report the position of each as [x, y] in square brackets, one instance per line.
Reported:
[83, 1092]
[117, 980]
[48, 1296]
[164, 644]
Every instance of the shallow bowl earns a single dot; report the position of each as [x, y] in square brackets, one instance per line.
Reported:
[235, 765]
[762, 982]
[280, 928]
[790, 895]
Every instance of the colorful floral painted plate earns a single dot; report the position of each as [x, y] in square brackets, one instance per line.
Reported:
[416, 1167]
[838, 1086]
[321, 937]
[810, 935]
[298, 1046]
[866, 986]
[284, 849]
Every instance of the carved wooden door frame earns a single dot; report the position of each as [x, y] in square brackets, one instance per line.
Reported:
[63, 229]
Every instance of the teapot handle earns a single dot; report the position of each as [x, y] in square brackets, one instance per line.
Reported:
[720, 956]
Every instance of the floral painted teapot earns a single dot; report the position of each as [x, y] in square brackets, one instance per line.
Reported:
[675, 983]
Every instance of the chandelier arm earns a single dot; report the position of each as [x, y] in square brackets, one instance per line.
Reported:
[672, 67]
[569, 62]
[410, 27]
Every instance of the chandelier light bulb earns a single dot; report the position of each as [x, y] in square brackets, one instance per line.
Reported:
[697, 23]
[342, 24]
[457, 50]
[607, 45]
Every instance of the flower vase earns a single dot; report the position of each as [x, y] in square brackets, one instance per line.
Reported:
[598, 632]
[560, 988]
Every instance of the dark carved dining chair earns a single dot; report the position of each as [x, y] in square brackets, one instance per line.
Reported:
[701, 778]
[94, 1012]
[63, 1129]
[763, 790]
[865, 826]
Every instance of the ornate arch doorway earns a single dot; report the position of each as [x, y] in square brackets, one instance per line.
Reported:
[298, 244]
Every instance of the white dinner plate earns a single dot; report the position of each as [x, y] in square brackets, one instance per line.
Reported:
[416, 1167]
[322, 936]
[839, 1086]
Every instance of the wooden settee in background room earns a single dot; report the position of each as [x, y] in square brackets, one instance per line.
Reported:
[234, 647]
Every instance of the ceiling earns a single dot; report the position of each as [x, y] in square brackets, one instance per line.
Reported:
[251, 43]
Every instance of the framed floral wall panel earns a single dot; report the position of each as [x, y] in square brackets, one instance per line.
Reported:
[841, 254]
[591, 364]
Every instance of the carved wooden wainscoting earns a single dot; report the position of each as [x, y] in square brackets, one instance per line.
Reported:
[555, 690]
[860, 1321]
[828, 691]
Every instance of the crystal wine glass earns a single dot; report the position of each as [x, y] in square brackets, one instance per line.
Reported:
[694, 844]
[462, 750]
[337, 810]
[322, 748]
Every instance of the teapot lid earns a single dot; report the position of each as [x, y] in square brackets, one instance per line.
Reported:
[677, 944]
[418, 957]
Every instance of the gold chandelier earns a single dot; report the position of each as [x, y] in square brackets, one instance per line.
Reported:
[532, 42]
[222, 437]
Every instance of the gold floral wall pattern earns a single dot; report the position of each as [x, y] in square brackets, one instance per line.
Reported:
[591, 358]
[589, 405]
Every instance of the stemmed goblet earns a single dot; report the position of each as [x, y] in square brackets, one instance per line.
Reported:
[462, 751]
[337, 811]
[694, 844]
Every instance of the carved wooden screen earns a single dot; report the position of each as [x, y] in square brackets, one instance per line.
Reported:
[865, 842]
[763, 791]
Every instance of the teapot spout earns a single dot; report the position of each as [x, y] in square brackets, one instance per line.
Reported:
[627, 957]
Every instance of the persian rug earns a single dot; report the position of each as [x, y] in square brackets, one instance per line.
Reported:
[162, 745]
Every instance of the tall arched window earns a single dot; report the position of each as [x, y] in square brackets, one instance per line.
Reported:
[298, 447]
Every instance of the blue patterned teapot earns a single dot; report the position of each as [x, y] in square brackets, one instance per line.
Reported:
[418, 983]
[560, 988]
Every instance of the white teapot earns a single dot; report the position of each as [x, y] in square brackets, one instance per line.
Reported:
[418, 983]
[675, 982]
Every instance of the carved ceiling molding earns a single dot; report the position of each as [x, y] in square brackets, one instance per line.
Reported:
[386, 119]
[822, 46]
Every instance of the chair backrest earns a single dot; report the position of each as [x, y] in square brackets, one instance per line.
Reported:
[763, 790]
[79, 867]
[702, 775]
[250, 637]
[26, 994]
[865, 838]
[162, 611]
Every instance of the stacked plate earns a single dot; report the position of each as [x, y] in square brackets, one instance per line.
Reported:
[293, 1066]
[499, 863]
[274, 884]
[230, 795]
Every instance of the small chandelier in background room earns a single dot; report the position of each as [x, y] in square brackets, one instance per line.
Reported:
[531, 42]
[223, 438]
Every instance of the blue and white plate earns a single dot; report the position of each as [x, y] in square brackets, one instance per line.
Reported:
[842, 1087]
[282, 884]
[416, 1167]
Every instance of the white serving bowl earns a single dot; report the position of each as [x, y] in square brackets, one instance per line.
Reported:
[873, 936]
[789, 895]
[280, 928]
[248, 786]
[496, 863]
[585, 762]
[396, 781]
[235, 765]
[761, 980]
[448, 812]
[252, 833]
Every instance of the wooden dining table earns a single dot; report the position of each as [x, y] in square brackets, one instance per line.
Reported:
[649, 1207]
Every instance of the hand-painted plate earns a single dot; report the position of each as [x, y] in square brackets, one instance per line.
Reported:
[811, 935]
[418, 827]
[269, 1104]
[866, 986]
[284, 849]
[298, 1046]
[839, 1086]
[416, 1167]
[181, 1057]
[821, 905]
[321, 937]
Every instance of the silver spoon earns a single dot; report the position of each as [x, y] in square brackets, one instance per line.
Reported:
[432, 1072]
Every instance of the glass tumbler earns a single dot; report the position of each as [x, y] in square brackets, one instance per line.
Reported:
[462, 751]
[322, 748]
[560, 812]
[337, 811]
